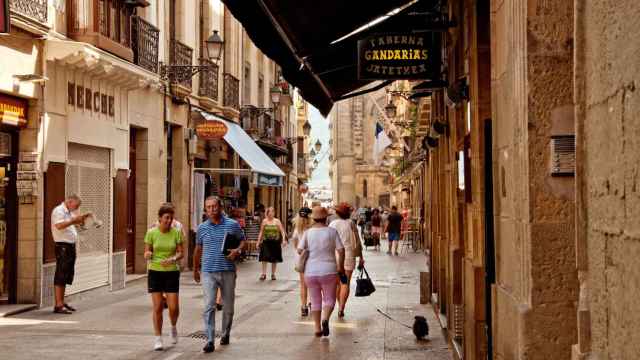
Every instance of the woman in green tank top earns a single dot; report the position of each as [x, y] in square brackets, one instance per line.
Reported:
[271, 240]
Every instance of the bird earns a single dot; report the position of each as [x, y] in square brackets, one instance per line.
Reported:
[420, 327]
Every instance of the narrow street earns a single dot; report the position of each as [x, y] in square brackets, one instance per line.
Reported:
[267, 325]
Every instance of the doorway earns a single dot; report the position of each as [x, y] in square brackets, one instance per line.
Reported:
[131, 204]
[8, 217]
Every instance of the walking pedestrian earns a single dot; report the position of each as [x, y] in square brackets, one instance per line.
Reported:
[64, 219]
[352, 250]
[322, 268]
[301, 223]
[376, 222]
[393, 228]
[216, 270]
[271, 239]
[163, 249]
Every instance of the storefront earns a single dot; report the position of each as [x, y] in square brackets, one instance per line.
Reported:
[12, 117]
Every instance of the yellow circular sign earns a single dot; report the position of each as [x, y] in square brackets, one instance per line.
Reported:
[211, 130]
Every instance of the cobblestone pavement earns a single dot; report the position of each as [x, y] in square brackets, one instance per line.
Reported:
[267, 324]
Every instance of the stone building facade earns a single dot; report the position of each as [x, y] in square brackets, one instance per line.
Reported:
[355, 177]
[91, 113]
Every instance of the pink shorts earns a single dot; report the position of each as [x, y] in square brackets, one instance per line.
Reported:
[322, 290]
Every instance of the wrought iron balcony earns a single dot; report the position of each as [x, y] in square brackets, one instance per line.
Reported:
[181, 54]
[144, 42]
[231, 96]
[34, 9]
[208, 86]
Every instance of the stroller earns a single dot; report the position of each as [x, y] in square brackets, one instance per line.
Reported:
[370, 239]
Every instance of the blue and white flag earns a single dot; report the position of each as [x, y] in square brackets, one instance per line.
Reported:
[381, 143]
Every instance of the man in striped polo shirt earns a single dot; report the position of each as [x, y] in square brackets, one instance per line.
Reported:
[215, 269]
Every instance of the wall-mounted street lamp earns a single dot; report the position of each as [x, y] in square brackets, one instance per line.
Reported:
[315, 163]
[312, 153]
[180, 73]
[306, 128]
[318, 146]
[275, 93]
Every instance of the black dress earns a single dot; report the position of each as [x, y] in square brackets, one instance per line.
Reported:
[271, 248]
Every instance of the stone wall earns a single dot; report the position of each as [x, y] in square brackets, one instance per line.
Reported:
[608, 131]
[536, 286]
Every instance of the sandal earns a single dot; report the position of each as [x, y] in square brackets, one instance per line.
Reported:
[318, 333]
[69, 307]
[325, 327]
[273, 277]
[304, 311]
[341, 314]
[263, 277]
[61, 310]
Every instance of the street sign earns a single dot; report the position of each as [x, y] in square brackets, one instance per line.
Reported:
[211, 130]
[5, 18]
[397, 56]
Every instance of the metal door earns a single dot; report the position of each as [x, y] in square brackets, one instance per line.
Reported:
[89, 176]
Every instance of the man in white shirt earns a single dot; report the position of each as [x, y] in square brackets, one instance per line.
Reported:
[65, 235]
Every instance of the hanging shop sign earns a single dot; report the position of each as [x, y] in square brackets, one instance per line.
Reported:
[211, 130]
[398, 56]
[13, 110]
[268, 180]
[5, 18]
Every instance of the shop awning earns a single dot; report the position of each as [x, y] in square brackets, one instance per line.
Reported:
[248, 150]
[301, 38]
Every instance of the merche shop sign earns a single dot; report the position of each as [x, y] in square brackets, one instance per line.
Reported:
[399, 56]
[210, 130]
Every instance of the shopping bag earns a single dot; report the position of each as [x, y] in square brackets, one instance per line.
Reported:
[364, 285]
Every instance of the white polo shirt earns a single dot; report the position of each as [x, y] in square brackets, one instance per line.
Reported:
[67, 235]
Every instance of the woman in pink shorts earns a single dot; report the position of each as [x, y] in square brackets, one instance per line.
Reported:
[322, 270]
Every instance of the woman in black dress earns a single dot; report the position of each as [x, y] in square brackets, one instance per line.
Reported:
[271, 240]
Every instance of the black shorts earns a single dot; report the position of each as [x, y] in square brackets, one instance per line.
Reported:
[163, 281]
[65, 264]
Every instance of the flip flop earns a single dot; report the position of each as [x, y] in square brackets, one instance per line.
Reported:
[61, 310]
[69, 307]
[263, 277]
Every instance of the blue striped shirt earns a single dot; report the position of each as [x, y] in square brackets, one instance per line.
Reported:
[210, 237]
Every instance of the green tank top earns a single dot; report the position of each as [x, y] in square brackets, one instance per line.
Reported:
[271, 233]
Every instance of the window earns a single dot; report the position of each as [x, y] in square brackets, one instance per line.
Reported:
[260, 90]
[364, 188]
[246, 94]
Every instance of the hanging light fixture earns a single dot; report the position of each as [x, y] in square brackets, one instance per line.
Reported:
[306, 128]
[390, 110]
[315, 163]
[214, 46]
[318, 145]
[275, 93]
[312, 153]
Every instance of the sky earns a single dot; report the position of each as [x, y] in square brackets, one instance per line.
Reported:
[320, 131]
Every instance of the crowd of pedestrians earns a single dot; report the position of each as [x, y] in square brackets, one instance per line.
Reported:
[327, 243]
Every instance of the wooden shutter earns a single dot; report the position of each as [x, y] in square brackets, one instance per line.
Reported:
[120, 211]
[54, 187]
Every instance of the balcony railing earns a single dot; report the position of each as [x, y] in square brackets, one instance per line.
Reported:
[35, 9]
[181, 54]
[144, 43]
[209, 80]
[231, 96]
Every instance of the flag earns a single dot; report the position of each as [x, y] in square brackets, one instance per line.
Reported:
[380, 144]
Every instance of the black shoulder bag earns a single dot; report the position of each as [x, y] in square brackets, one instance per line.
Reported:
[364, 285]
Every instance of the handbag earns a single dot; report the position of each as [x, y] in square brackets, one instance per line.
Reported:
[364, 285]
[357, 244]
[304, 255]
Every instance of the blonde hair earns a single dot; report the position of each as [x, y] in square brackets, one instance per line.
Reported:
[301, 224]
[272, 209]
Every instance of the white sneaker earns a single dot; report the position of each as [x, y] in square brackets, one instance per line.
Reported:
[157, 346]
[174, 335]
